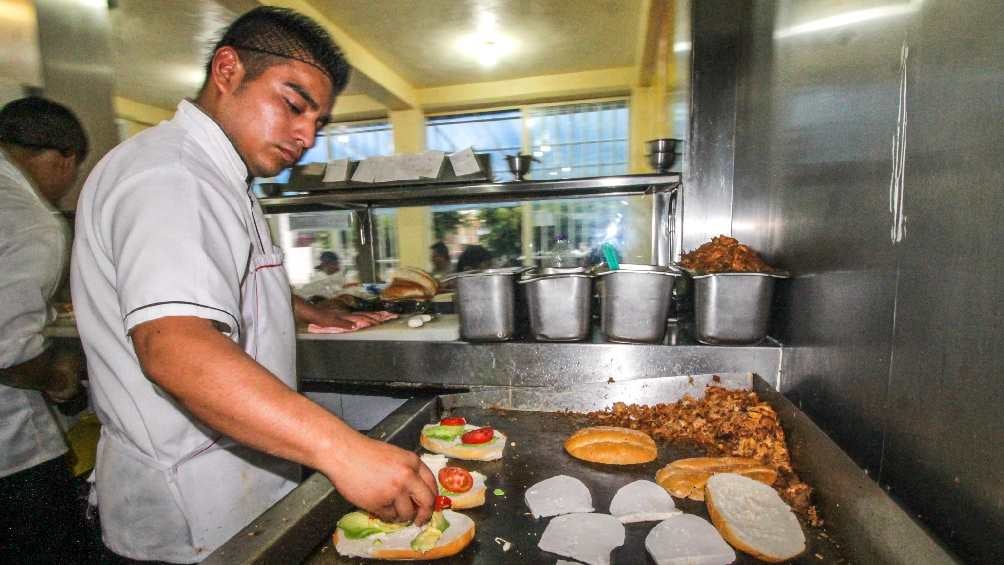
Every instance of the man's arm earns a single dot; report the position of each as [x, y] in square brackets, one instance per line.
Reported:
[56, 372]
[226, 389]
[328, 315]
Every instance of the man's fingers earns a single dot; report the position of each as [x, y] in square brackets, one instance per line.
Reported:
[422, 496]
[387, 513]
[404, 507]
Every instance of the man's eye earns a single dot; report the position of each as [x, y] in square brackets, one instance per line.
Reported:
[293, 107]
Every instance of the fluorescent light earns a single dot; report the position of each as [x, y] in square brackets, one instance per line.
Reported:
[848, 18]
[566, 169]
[681, 47]
[545, 148]
[553, 173]
[487, 45]
[342, 139]
[538, 153]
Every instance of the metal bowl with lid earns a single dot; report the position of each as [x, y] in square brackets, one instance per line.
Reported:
[635, 302]
[558, 302]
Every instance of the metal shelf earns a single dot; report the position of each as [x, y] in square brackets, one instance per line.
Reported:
[465, 192]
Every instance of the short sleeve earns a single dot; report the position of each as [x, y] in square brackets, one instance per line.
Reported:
[30, 267]
[180, 247]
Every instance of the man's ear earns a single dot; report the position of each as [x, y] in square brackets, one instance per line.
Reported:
[226, 71]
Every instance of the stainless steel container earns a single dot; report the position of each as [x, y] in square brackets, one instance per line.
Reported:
[733, 308]
[635, 302]
[558, 301]
[486, 303]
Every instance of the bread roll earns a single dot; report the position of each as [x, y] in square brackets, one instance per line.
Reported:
[685, 478]
[416, 276]
[611, 445]
[405, 290]
[753, 518]
[456, 449]
[397, 546]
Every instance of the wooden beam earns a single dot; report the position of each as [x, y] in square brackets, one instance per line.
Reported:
[390, 89]
[592, 84]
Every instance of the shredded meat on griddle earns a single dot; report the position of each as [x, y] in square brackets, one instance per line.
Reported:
[724, 254]
[723, 423]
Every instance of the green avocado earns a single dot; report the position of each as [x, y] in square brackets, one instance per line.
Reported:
[358, 525]
[431, 533]
[447, 433]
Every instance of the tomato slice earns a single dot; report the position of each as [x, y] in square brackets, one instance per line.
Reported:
[453, 421]
[455, 479]
[442, 502]
[480, 435]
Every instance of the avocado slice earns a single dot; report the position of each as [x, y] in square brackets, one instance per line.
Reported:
[431, 533]
[358, 525]
[447, 433]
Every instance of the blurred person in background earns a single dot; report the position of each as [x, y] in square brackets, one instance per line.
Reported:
[474, 257]
[42, 145]
[328, 283]
[439, 258]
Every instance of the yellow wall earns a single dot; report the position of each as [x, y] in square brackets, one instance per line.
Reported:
[138, 116]
[414, 225]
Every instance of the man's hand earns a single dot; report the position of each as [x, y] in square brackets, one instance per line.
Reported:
[56, 372]
[67, 370]
[383, 479]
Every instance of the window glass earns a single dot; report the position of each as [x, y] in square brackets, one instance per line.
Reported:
[579, 140]
[496, 133]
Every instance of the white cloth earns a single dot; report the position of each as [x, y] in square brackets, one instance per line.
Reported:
[326, 285]
[167, 226]
[33, 255]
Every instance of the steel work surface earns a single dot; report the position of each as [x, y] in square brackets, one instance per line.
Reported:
[539, 454]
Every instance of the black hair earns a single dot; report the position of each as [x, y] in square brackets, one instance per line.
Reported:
[472, 258]
[266, 35]
[38, 123]
[439, 248]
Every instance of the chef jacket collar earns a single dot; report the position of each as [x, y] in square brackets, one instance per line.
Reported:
[215, 141]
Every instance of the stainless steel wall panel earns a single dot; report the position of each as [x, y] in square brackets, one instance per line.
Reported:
[891, 343]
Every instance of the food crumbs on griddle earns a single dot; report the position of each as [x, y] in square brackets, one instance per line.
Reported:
[818, 556]
[724, 422]
[610, 381]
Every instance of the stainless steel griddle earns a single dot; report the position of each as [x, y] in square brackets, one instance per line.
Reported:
[298, 528]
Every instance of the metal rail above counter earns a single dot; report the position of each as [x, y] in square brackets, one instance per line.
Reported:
[467, 192]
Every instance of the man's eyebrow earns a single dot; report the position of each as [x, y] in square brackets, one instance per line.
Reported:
[304, 94]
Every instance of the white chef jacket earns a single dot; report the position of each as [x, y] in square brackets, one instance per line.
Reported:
[167, 226]
[33, 256]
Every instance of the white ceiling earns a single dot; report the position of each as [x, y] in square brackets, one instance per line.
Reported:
[160, 46]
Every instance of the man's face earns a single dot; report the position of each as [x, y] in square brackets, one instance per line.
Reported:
[440, 262]
[330, 267]
[274, 118]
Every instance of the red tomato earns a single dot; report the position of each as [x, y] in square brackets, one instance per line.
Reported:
[480, 435]
[453, 421]
[455, 479]
[442, 502]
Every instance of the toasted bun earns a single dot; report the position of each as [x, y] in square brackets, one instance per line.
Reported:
[474, 452]
[452, 543]
[611, 445]
[685, 478]
[753, 518]
[470, 499]
[416, 276]
[401, 290]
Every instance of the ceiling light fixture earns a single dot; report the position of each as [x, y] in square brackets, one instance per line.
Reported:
[486, 45]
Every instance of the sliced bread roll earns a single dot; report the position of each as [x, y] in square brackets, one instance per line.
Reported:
[456, 449]
[753, 518]
[460, 501]
[396, 546]
[685, 478]
[611, 445]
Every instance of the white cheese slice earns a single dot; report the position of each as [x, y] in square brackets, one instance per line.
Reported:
[642, 501]
[401, 539]
[560, 494]
[686, 539]
[588, 538]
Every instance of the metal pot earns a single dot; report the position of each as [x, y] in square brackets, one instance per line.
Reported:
[635, 302]
[486, 303]
[662, 153]
[558, 301]
[733, 308]
[519, 165]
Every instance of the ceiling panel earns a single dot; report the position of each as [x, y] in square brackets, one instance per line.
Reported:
[419, 39]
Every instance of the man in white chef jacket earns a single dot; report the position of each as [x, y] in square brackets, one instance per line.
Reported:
[184, 311]
[41, 146]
